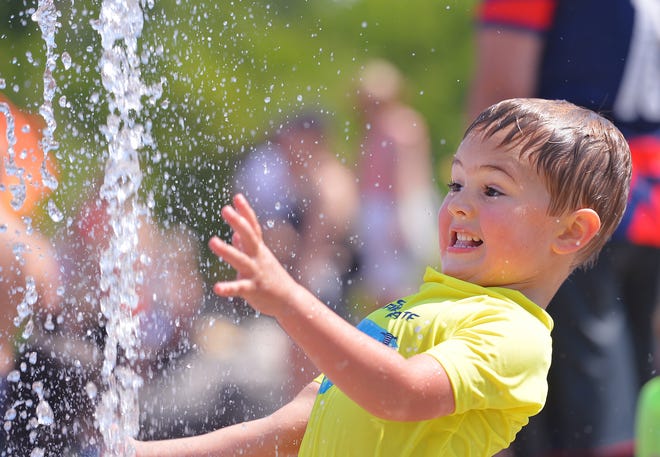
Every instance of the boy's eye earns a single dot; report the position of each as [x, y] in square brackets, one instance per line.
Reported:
[492, 192]
[454, 186]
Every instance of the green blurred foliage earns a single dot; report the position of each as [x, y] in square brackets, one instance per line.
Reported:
[233, 71]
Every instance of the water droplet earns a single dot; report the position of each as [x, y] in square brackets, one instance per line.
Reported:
[10, 414]
[48, 179]
[270, 223]
[14, 376]
[54, 212]
[66, 60]
[45, 414]
[49, 325]
[29, 329]
[18, 193]
[91, 390]
[38, 388]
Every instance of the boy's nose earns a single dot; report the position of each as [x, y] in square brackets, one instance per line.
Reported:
[460, 206]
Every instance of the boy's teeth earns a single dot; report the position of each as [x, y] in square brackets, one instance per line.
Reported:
[466, 237]
[463, 240]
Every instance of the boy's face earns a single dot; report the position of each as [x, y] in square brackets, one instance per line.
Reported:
[494, 226]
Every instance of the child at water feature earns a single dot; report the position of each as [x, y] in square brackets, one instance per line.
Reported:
[456, 369]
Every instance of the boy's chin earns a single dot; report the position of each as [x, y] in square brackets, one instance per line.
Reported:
[458, 273]
[467, 275]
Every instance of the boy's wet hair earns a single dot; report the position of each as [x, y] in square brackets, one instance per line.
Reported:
[583, 159]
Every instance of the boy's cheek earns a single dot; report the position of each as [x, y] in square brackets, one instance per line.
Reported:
[443, 227]
[443, 240]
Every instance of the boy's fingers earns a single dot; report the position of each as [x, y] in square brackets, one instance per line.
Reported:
[230, 254]
[245, 242]
[239, 287]
[248, 238]
[236, 241]
[245, 210]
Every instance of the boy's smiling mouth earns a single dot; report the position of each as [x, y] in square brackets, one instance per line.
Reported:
[463, 240]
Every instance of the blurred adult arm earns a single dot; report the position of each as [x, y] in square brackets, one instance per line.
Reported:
[506, 66]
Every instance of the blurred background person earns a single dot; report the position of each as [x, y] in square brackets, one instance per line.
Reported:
[309, 200]
[64, 355]
[647, 420]
[398, 197]
[25, 255]
[604, 55]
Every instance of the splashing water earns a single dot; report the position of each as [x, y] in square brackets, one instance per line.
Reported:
[25, 309]
[46, 16]
[120, 26]
[18, 191]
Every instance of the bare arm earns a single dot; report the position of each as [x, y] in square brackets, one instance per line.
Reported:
[376, 377]
[506, 67]
[277, 434]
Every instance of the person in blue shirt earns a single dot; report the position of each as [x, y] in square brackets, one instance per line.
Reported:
[603, 55]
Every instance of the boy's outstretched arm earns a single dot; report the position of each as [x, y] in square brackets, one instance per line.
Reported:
[277, 434]
[376, 377]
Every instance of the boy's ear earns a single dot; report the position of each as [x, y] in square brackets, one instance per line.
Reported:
[578, 228]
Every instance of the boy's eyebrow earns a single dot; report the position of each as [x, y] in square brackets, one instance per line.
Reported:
[487, 166]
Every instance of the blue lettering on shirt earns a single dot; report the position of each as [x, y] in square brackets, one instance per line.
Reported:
[376, 332]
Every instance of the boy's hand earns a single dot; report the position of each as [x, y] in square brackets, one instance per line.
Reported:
[261, 279]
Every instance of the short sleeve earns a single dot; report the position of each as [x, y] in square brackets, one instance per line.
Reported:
[498, 361]
[532, 15]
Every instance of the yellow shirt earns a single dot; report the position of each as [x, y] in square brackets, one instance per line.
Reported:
[494, 345]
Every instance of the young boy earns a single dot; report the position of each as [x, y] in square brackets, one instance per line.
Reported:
[456, 369]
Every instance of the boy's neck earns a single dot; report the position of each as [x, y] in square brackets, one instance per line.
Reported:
[541, 294]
